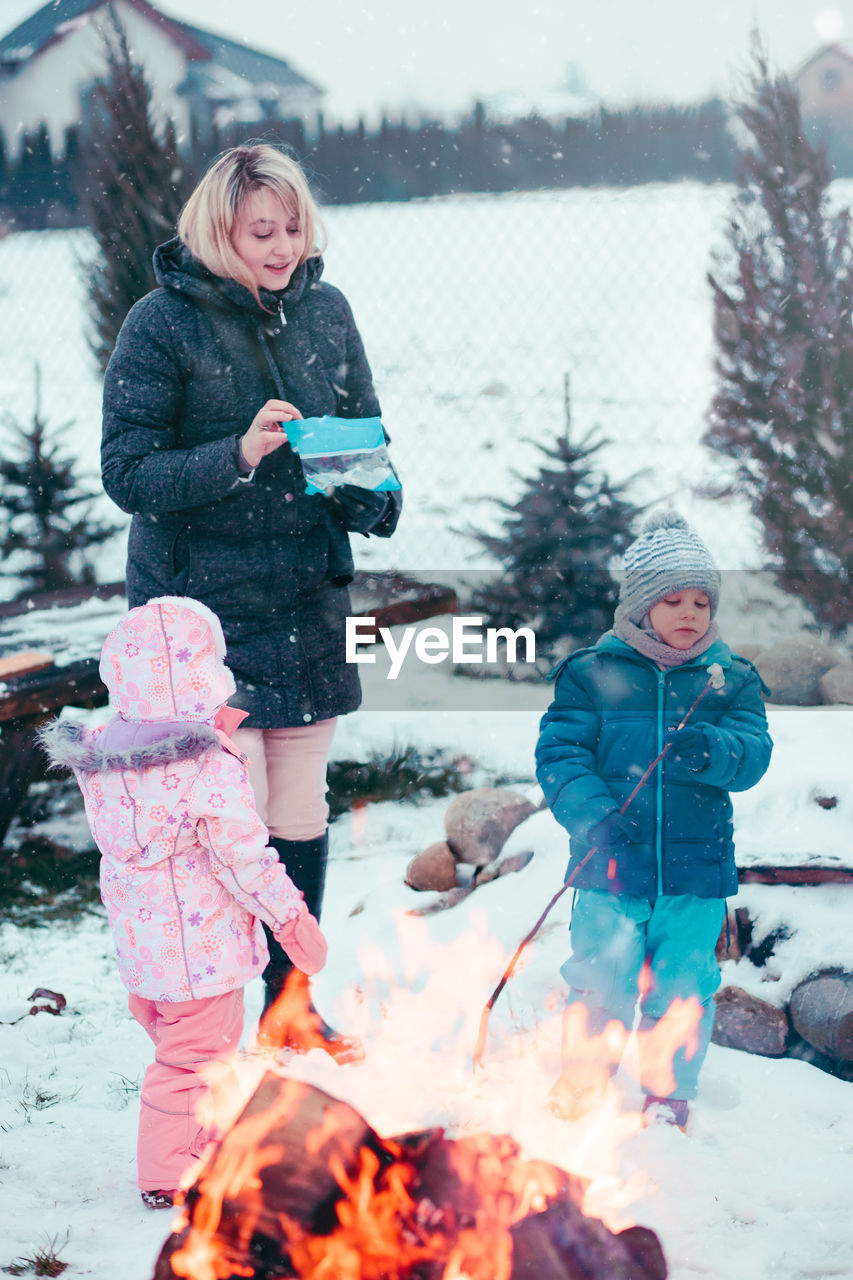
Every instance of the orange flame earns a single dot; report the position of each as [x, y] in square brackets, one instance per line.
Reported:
[384, 1223]
[234, 1174]
[292, 1021]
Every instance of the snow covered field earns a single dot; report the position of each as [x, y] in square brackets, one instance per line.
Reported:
[472, 311]
[761, 1178]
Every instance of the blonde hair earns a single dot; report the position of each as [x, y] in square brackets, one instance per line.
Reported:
[207, 220]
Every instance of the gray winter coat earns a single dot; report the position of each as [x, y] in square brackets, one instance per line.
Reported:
[194, 362]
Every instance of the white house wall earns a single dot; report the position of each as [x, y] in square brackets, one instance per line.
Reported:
[48, 87]
[825, 87]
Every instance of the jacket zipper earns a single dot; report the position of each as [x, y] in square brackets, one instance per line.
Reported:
[181, 923]
[659, 783]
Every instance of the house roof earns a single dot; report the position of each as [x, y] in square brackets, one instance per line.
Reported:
[839, 50]
[50, 23]
[53, 20]
[249, 63]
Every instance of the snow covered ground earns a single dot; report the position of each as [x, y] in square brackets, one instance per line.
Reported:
[472, 312]
[761, 1178]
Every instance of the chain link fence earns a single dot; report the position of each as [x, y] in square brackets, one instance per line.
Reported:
[491, 322]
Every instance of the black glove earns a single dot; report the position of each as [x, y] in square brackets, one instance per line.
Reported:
[688, 747]
[360, 509]
[614, 831]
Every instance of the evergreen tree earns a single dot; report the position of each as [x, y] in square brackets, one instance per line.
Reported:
[133, 191]
[33, 181]
[47, 531]
[783, 408]
[556, 544]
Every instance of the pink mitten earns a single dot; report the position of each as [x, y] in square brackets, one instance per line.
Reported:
[304, 943]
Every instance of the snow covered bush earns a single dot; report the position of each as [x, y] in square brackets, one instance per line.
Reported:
[48, 535]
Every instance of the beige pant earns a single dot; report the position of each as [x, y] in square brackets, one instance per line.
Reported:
[287, 770]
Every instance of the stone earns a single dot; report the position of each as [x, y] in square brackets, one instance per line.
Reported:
[744, 1022]
[792, 669]
[432, 868]
[478, 822]
[836, 684]
[822, 1012]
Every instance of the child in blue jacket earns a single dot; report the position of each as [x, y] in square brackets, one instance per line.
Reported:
[652, 881]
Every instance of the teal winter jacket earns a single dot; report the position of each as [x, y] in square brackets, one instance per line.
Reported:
[611, 709]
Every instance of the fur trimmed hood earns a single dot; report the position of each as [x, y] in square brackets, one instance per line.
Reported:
[72, 746]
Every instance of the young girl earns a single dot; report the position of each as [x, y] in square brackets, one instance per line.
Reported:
[242, 336]
[651, 882]
[186, 873]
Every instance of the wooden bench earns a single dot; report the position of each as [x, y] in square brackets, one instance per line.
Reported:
[50, 647]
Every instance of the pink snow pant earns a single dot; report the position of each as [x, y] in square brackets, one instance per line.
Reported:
[287, 770]
[188, 1035]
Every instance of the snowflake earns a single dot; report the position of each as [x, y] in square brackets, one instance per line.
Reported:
[210, 970]
[195, 919]
[183, 655]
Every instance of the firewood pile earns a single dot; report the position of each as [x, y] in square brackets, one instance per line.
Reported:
[815, 1022]
[302, 1186]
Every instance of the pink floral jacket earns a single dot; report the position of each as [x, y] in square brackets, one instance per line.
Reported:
[186, 874]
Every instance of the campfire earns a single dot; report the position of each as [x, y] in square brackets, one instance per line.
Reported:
[302, 1186]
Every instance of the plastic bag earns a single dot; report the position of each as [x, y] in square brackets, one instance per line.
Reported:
[337, 451]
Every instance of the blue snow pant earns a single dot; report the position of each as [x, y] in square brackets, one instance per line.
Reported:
[614, 934]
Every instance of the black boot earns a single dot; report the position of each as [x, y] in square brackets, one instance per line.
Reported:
[305, 862]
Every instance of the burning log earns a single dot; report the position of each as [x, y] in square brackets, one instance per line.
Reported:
[556, 1245]
[301, 1186]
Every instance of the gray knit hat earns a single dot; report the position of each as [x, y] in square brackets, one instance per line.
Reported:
[667, 556]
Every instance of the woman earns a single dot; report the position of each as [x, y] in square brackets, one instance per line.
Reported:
[241, 337]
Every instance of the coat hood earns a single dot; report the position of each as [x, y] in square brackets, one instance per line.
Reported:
[165, 661]
[178, 271]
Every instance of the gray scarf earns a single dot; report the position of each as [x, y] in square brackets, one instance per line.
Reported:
[649, 644]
